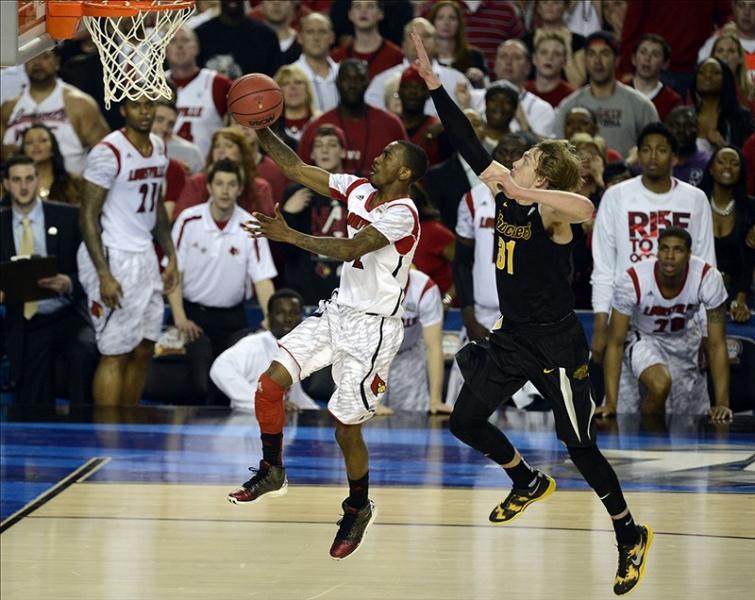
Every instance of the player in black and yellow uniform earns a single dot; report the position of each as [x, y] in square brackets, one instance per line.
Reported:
[539, 337]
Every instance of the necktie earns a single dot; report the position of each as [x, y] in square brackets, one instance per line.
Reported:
[27, 247]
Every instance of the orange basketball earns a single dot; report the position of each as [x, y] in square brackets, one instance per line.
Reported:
[255, 101]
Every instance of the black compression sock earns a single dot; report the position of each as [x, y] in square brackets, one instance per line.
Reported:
[626, 530]
[358, 491]
[272, 448]
[522, 475]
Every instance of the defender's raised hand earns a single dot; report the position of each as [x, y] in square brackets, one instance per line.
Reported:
[422, 63]
[273, 228]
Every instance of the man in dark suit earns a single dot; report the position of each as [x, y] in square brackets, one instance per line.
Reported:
[38, 332]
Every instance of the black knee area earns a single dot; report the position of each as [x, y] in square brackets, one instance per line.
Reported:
[599, 474]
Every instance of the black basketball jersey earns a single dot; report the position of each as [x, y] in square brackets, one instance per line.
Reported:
[532, 271]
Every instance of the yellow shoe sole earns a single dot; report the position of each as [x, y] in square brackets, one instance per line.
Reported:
[548, 491]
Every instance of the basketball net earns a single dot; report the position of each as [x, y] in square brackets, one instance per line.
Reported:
[132, 50]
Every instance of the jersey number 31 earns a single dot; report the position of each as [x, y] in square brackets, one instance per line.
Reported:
[504, 260]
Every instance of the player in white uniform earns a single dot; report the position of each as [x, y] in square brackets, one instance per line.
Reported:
[358, 331]
[654, 305]
[416, 379]
[118, 267]
[73, 116]
[634, 212]
[237, 370]
[200, 93]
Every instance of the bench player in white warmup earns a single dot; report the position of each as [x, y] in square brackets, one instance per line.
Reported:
[358, 331]
[653, 307]
[122, 210]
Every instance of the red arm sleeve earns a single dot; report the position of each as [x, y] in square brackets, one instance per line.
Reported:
[220, 86]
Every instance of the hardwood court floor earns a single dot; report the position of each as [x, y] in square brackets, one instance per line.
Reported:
[135, 541]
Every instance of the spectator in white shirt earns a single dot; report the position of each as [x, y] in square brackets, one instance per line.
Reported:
[316, 37]
[238, 368]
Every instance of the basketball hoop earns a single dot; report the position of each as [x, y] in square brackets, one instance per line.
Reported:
[131, 37]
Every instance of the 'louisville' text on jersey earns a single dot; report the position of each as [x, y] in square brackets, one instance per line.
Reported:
[644, 228]
[357, 222]
[523, 232]
[665, 311]
[146, 173]
[190, 111]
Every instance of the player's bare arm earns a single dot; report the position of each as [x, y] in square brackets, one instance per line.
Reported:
[617, 334]
[161, 233]
[86, 118]
[345, 249]
[557, 206]
[293, 167]
[89, 220]
[718, 359]
[5, 112]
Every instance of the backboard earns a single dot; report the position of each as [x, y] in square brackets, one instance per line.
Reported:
[22, 31]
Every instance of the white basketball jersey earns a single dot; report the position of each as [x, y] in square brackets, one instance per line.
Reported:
[422, 307]
[476, 221]
[51, 112]
[198, 118]
[637, 294]
[375, 283]
[134, 183]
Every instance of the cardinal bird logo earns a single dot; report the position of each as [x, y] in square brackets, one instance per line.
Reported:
[233, 250]
[96, 309]
[377, 386]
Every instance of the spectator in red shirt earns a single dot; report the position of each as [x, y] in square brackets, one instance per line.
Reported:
[489, 23]
[437, 245]
[421, 128]
[232, 144]
[549, 59]
[368, 45]
[684, 25]
[368, 129]
[651, 56]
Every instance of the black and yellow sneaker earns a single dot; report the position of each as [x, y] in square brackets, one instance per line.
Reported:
[519, 499]
[632, 560]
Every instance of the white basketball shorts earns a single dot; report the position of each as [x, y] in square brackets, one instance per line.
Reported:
[689, 388]
[359, 346]
[140, 315]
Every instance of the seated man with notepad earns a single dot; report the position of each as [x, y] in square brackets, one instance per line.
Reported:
[54, 321]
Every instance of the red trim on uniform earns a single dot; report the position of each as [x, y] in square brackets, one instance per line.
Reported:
[291, 355]
[658, 283]
[337, 195]
[635, 281]
[470, 203]
[354, 185]
[183, 225]
[706, 267]
[428, 286]
[151, 145]
[117, 155]
[404, 245]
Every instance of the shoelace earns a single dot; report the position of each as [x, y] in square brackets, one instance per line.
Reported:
[346, 522]
[258, 476]
[624, 552]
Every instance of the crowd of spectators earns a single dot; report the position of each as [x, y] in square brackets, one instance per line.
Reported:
[657, 101]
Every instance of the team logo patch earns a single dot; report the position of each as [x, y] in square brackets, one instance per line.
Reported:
[580, 372]
[233, 250]
[377, 386]
[96, 309]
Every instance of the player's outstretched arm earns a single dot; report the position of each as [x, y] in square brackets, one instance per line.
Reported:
[293, 167]
[346, 249]
[456, 125]
[612, 361]
[718, 358]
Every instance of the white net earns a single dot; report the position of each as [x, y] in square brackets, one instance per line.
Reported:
[132, 48]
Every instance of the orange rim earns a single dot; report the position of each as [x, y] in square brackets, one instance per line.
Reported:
[63, 16]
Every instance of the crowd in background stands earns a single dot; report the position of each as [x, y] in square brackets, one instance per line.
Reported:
[596, 72]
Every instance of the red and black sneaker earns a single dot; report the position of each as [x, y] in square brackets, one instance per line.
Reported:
[269, 480]
[352, 528]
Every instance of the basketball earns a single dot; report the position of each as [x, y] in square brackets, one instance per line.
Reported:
[255, 101]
